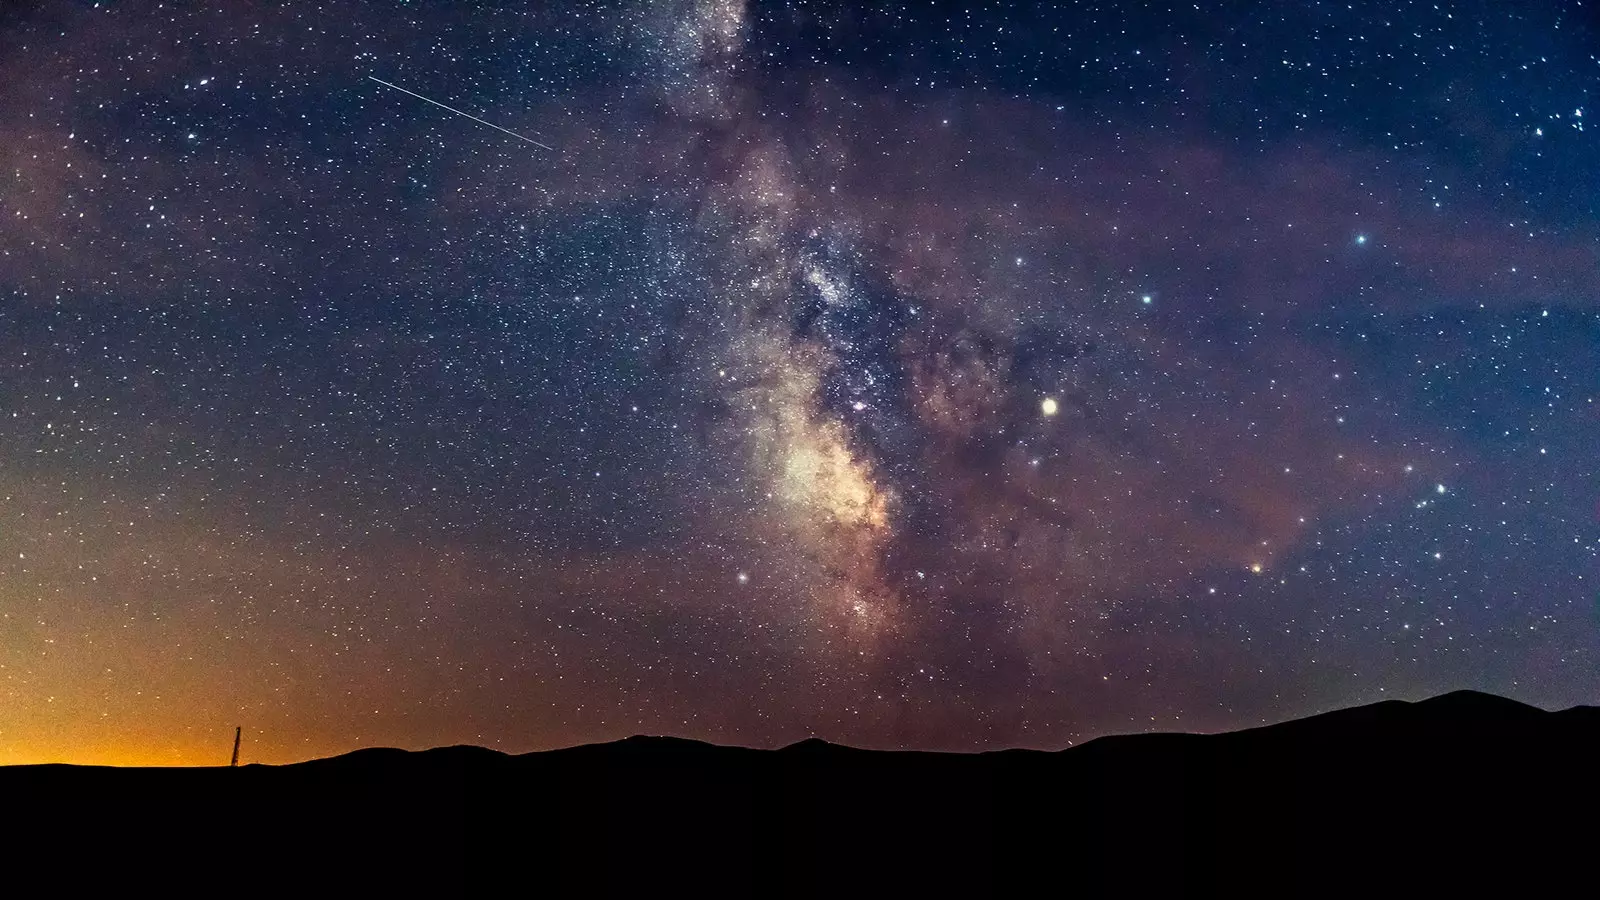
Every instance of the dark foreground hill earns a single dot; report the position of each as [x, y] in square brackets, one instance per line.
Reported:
[1464, 791]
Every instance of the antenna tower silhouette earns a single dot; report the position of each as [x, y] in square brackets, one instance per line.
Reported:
[237, 731]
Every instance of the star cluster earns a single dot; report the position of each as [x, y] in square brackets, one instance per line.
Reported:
[911, 376]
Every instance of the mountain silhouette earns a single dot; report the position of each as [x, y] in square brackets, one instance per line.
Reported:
[1463, 792]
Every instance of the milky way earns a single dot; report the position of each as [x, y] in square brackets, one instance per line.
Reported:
[934, 378]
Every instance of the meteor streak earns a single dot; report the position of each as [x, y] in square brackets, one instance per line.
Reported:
[460, 113]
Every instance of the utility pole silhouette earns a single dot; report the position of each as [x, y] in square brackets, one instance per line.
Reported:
[237, 731]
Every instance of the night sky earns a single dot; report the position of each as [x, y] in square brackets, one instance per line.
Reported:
[913, 377]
